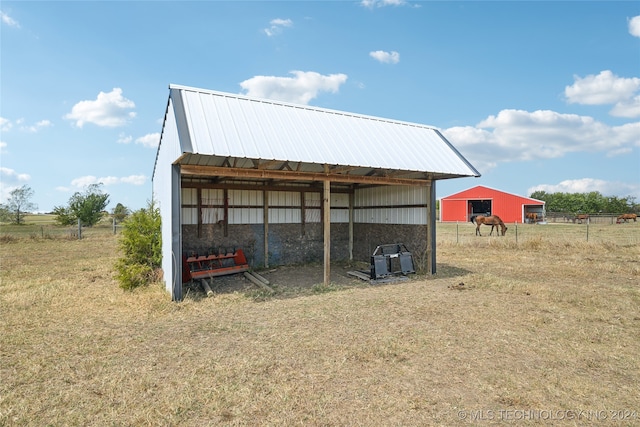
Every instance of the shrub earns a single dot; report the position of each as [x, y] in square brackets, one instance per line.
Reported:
[141, 248]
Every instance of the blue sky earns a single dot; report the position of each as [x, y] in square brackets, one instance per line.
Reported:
[536, 95]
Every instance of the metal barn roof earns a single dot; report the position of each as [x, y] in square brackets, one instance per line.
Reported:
[222, 125]
[484, 192]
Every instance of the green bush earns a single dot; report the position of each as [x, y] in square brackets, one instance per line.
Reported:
[141, 248]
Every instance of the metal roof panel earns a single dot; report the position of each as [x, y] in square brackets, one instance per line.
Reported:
[229, 125]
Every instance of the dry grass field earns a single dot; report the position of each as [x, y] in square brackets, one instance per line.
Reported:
[542, 330]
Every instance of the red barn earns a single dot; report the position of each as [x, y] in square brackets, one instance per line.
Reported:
[482, 200]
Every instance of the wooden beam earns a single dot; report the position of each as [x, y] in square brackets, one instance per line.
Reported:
[225, 195]
[286, 166]
[298, 176]
[199, 210]
[272, 186]
[431, 228]
[351, 200]
[265, 220]
[341, 169]
[303, 213]
[326, 203]
[268, 164]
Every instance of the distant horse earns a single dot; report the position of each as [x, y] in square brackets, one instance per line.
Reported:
[493, 221]
[580, 218]
[626, 217]
[532, 217]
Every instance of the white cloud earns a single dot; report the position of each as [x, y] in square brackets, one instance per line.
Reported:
[150, 140]
[35, 128]
[587, 185]
[606, 88]
[629, 109]
[124, 139]
[3, 147]
[301, 88]
[134, 179]
[84, 181]
[276, 26]
[634, 26]
[12, 175]
[108, 110]
[6, 19]
[382, 3]
[516, 135]
[5, 124]
[10, 180]
[385, 57]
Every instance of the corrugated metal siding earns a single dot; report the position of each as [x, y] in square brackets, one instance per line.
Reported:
[223, 124]
[312, 212]
[189, 213]
[245, 212]
[284, 207]
[385, 205]
[246, 206]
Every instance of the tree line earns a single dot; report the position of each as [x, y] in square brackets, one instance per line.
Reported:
[86, 206]
[591, 202]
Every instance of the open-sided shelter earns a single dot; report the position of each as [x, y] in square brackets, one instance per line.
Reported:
[481, 200]
[291, 183]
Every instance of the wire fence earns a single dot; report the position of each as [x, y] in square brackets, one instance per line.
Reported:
[50, 231]
[568, 232]
[598, 229]
[592, 218]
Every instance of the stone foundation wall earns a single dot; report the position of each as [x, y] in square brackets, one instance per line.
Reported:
[288, 244]
[368, 236]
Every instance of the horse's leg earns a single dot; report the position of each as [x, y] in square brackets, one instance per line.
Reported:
[478, 229]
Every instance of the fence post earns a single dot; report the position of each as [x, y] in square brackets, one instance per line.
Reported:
[79, 229]
[114, 225]
[588, 229]
[516, 224]
[457, 239]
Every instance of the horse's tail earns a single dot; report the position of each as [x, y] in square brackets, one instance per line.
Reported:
[473, 219]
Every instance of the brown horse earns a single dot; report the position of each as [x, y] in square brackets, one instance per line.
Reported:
[626, 217]
[493, 221]
[533, 217]
[580, 218]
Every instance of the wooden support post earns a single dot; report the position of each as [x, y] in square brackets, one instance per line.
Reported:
[431, 227]
[225, 195]
[265, 218]
[199, 208]
[351, 200]
[326, 203]
[303, 212]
